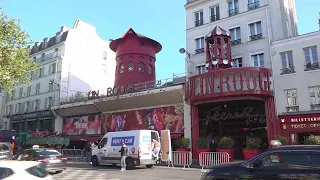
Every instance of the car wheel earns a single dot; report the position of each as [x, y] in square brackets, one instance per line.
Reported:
[130, 164]
[95, 161]
[149, 166]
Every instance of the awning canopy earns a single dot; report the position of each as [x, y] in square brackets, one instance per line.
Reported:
[76, 110]
[157, 97]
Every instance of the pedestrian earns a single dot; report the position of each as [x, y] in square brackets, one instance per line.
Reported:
[156, 149]
[213, 146]
[124, 154]
[88, 151]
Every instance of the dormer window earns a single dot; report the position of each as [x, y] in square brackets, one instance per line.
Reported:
[150, 69]
[141, 67]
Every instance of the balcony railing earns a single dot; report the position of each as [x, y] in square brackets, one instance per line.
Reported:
[198, 22]
[287, 70]
[254, 5]
[177, 79]
[50, 56]
[233, 12]
[235, 42]
[198, 51]
[293, 108]
[312, 66]
[255, 37]
[215, 18]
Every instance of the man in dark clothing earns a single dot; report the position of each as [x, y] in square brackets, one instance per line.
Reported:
[124, 154]
[213, 146]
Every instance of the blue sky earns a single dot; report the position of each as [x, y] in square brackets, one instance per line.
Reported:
[163, 21]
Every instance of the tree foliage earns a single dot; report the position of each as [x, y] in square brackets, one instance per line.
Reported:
[15, 63]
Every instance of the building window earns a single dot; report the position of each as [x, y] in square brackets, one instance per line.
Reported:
[121, 68]
[311, 57]
[37, 106]
[257, 60]
[314, 93]
[255, 31]
[198, 18]
[235, 34]
[43, 55]
[291, 98]
[237, 62]
[287, 63]
[13, 94]
[253, 4]
[20, 92]
[215, 13]
[105, 55]
[233, 6]
[51, 85]
[28, 106]
[150, 69]
[130, 67]
[28, 90]
[48, 102]
[199, 45]
[19, 107]
[201, 69]
[38, 88]
[52, 68]
[141, 67]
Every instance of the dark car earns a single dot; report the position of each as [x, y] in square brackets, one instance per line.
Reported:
[6, 151]
[292, 162]
[53, 161]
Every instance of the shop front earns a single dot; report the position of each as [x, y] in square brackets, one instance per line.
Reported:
[229, 102]
[297, 127]
[41, 121]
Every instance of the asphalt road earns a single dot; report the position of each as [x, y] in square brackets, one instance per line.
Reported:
[87, 172]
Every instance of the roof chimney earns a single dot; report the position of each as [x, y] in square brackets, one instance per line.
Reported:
[37, 44]
[45, 42]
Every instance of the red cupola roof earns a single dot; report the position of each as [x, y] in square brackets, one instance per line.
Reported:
[115, 43]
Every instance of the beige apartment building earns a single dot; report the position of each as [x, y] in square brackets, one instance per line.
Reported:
[296, 71]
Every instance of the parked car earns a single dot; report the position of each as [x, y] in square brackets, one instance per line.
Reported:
[53, 161]
[283, 162]
[6, 151]
[27, 170]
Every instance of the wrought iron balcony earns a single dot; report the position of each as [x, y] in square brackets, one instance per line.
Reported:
[198, 51]
[235, 42]
[198, 22]
[215, 18]
[255, 37]
[50, 56]
[287, 70]
[315, 107]
[254, 5]
[312, 66]
[233, 12]
[293, 108]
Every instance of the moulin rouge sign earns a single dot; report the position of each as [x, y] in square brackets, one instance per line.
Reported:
[228, 81]
[115, 91]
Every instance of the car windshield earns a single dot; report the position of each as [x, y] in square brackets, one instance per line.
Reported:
[48, 152]
[37, 171]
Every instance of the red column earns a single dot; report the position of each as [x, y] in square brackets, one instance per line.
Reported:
[194, 129]
[271, 118]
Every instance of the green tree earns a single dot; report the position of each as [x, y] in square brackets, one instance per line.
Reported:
[15, 63]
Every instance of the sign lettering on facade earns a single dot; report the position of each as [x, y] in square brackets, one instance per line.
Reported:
[304, 126]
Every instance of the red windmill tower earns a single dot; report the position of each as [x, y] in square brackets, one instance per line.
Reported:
[218, 49]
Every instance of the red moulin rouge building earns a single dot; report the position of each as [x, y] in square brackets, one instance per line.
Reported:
[225, 101]
[137, 100]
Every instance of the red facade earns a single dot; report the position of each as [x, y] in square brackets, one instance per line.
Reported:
[222, 84]
[135, 58]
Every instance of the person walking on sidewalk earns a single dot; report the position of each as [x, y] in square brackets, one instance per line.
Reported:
[124, 154]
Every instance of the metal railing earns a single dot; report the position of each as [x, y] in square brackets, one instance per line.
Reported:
[254, 5]
[198, 22]
[233, 12]
[177, 79]
[180, 158]
[207, 159]
[312, 66]
[77, 154]
[50, 56]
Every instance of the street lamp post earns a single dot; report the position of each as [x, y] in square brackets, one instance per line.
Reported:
[187, 60]
[58, 85]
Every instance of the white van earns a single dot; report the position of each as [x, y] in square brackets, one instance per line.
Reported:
[139, 146]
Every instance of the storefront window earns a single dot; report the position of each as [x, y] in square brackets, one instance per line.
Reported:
[32, 125]
[15, 126]
[23, 126]
[45, 124]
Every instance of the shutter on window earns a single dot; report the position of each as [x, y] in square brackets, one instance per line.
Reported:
[46, 103]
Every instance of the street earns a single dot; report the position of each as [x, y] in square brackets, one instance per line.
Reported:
[87, 172]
